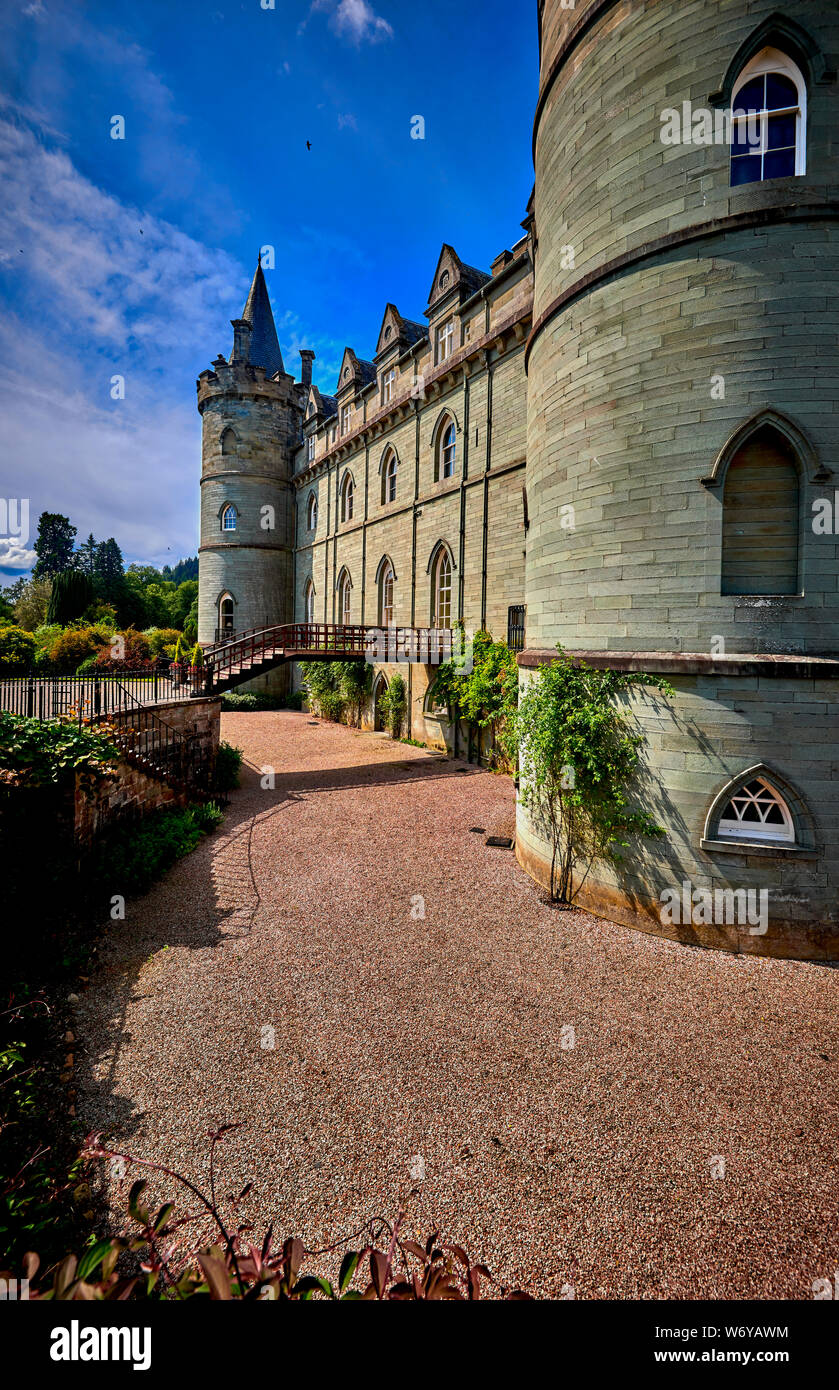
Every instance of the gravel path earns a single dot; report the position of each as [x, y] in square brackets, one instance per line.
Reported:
[406, 1044]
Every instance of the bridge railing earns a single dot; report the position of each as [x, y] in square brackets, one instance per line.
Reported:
[299, 641]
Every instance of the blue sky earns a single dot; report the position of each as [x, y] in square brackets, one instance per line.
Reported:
[129, 257]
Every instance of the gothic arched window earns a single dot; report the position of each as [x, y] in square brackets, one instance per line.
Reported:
[229, 442]
[225, 616]
[312, 512]
[760, 517]
[344, 593]
[769, 119]
[309, 602]
[229, 517]
[756, 811]
[389, 477]
[347, 497]
[386, 578]
[441, 589]
[446, 452]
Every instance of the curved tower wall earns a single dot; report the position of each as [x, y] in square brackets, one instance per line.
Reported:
[670, 311]
[254, 563]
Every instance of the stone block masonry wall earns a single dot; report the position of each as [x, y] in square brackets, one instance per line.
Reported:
[132, 793]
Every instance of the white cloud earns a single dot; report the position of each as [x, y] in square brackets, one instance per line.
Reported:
[355, 20]
[347, 121]
[14, 556]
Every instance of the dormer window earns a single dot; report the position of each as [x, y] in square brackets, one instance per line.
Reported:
[346, 373]
[388, 332]
[444, 280]
[445, 340]
[346, 417]
[387, 386]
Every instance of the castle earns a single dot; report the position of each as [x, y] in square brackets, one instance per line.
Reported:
[626, 428]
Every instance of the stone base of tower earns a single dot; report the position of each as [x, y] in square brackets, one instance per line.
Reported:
[693, 884]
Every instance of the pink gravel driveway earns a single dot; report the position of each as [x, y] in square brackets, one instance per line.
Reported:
[390, 1006]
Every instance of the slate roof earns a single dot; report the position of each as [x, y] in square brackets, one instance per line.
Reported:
[265, 346]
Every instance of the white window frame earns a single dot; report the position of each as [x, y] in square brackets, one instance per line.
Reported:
[388, 386]
[447, 461]
[344, 599]
[312, 513]
[445, 340]
[226, 598]
[730, 828]
[386, 587]
[442, 592]
[346, 416]
[310, 448]
[347, 498]
[772, 60]
[228, 510]
[390, 478]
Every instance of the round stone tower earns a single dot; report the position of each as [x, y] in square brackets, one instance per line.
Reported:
[683, 433]
[251, 425]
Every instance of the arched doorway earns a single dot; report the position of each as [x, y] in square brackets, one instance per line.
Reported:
[379, 688]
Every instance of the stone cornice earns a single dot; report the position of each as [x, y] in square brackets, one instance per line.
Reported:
[789, 667]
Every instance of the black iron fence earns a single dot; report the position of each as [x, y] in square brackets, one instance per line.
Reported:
[126, 701]
[93, 696]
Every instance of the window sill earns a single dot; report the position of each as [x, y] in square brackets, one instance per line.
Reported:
[754, 847]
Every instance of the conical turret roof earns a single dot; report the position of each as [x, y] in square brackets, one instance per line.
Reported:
[265, 346]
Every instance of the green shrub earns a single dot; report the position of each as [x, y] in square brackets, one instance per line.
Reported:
[17, 650]
[159, 638]
[72, 647]
[228, 765]
[132, 857]
[35, 754]
[70, 595]
[330, 705]
[394, 705]
[231, 701]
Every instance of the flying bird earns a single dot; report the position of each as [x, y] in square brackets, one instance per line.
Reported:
[308, 144]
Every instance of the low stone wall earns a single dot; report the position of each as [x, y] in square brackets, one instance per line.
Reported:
[132, 793]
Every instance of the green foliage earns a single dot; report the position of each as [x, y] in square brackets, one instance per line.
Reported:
[30, 604]
[355, 684]
[53, 546]
[394, 705]
[578, 763]
[196, 657]
[246, 701]
[36, 754]
[70, 595]
[133, 857]
[227, 768]
[17, 650]
[323, 682]
[485, 697]
[73, 647]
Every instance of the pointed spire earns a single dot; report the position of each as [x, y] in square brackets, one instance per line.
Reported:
[265, 347]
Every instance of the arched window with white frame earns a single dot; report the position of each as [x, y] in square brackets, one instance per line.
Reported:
[344, 598]
[312, 513]
[226, 607]
[389, 466]
[347, 497]
[446, 452]
[769, 120]
[441, 589]
[229, 517]
[756, 811]
[386, 584]
[309, 602]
